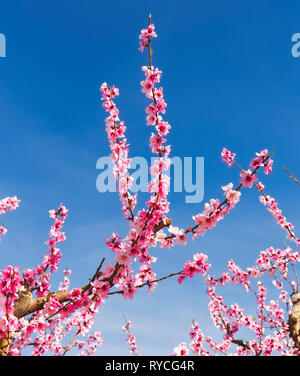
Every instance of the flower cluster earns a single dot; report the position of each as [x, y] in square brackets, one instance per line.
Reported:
[199, 265]
[59, 315]
[281, 220]
[160, 181]
[10, 284]
[146, 35]
[227, 157]
[39, 278]
[181, 350]
[140, 237]
[269, 326]
[260, 161]
[213, 213]
[58, 322]
[248, 179]
[7, 204]
[131, 340]
[115, 130]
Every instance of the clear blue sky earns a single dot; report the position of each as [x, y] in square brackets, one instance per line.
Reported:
[229, 79]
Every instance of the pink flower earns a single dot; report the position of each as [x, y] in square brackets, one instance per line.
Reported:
[7, 204]
[147, 87]
[52, 306]
[200, 259]
[128, 292]
[256, 162]
[268, 166]
[150, 31]
[190, 268]
[3, 230]
[163, 128]
[260, 186]
[227, 157]
[152, 74]
[156, 142]
[2, 302]
[247, 180]
[122, 258]
[145, 34]
[75, 295]
[181, 238]
[262, 153]
[4, 326]
[101, 288]
[181, 349]
[232, 196]
[10, 281]
[199, 265]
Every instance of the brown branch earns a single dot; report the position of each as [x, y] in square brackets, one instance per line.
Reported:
[95, 276]
[36, 304]
[294, 320]
[238, 342]
[291, 176]
[69, 346]
[261, 190]
[149, 283]
[25, 304]
[161, 225]
[238, 188]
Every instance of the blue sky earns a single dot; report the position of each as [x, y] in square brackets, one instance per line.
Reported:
[229, 80]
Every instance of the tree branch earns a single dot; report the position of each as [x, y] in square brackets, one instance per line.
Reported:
[292, 176]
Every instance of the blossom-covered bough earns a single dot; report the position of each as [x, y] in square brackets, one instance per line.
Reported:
[33, 316]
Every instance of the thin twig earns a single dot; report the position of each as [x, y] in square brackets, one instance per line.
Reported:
[149, 283]
[291, 176]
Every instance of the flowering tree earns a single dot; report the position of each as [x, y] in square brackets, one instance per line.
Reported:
[56, 322]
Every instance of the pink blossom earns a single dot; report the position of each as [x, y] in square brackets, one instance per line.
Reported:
[122, 258]
[268, 166]
[247, 179]
[181, 349]
[232, 196]
[262, 329]
[129, 292]
[227, 157]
